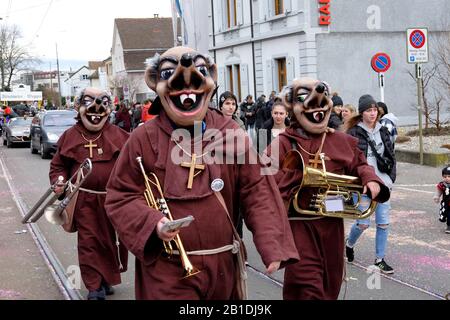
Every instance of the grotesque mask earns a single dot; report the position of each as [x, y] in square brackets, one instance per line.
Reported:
[94, 107]
[184, 81]
[310, 102]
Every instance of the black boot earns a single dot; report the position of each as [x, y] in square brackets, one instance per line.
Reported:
[109, 290]
[98, 294]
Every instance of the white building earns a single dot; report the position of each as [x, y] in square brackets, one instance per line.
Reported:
[261, 45]
[134, 41]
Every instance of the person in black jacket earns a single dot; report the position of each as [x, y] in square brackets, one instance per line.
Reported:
[375, 142]
[335, 121]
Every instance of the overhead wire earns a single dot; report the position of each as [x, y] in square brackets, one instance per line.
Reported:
[42, 22]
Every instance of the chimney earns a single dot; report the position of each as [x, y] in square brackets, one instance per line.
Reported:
[156, 15]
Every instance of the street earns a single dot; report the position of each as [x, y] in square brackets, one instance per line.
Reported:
[418, 248]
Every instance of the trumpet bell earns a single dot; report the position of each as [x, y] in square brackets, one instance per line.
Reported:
[52, 215]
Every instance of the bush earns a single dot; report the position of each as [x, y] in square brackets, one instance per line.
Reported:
[402, 139]
[430, 132]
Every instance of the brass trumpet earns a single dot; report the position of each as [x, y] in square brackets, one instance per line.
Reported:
[161, 205]
[54, 213]
[319, 186]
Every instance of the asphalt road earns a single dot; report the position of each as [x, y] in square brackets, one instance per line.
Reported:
[418, 249]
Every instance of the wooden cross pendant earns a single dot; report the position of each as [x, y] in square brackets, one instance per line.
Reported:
[90, 146]
[192, 167]
[317, 160]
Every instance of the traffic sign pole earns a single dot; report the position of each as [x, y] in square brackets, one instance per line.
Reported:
[381, 85]
[420, 108]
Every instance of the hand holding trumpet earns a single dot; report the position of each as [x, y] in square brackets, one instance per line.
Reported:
[59, 186]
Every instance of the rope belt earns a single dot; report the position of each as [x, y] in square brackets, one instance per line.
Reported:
[92, 191]
[234, 248]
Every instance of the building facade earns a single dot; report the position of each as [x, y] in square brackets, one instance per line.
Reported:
[261, 45]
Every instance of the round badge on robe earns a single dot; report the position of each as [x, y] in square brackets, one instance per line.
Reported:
[217, 185]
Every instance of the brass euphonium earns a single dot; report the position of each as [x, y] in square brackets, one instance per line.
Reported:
[319, 186]
[159, 203]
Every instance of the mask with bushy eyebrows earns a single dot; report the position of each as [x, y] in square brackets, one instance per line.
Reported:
[184, 81]
[94, 107]
[309, 100]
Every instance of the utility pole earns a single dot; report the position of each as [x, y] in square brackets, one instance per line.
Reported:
[59, 78]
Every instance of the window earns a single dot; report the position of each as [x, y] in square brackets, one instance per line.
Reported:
[281, 70]
[234, 80]
[84, 77]
[231, 13]
[279, 7]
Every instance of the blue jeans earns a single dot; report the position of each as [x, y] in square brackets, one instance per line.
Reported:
[381, 218]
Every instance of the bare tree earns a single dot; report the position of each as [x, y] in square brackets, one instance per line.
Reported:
[436, 81]
[13, 56]
[120, 81]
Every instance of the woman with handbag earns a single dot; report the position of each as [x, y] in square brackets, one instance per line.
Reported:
[374, 141]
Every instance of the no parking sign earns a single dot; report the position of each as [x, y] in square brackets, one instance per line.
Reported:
[417, 45]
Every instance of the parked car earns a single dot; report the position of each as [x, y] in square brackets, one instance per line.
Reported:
[17, 131]
[47, 127]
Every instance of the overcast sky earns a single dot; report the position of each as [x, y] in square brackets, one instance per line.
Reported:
[83, 29]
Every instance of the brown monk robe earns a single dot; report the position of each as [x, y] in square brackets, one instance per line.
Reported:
[98, 256]
[158, 277]
[319, 240]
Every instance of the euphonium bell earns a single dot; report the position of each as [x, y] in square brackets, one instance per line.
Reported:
[326, 194]
[161, 205]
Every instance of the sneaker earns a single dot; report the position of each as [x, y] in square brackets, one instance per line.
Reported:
[447, 230]
[384, 267]
[98, 294]
[350, 253]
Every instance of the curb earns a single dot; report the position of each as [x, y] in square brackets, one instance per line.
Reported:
[429, 159]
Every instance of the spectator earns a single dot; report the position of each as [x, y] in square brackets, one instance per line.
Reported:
[137, 115]
[442, 194]
[123, 118]
[335, 121]
[348, 112]
[388, 120]
[375, 142]
[228, 106]
[146, 111]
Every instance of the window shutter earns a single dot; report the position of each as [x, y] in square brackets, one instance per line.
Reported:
[287, 6]
[239, 13]
[244, 79]
[221, 81]
[269, 75]
[271, 7]
[290, 69]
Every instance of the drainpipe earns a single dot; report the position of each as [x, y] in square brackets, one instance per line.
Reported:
[253, 49]
[214, 40]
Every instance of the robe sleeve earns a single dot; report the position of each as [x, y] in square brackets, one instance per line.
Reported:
[264, 213]
[366, 172]
[60, 165]
[127, 207]
[286, 179]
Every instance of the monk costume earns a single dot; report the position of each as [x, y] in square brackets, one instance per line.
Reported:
[101, 260]
[185, 81]
[319, 240]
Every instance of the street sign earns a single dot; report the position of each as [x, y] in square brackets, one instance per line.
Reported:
[417, 45]
[381, 62]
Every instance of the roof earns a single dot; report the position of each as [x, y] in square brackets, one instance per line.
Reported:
[145, 33]
[135, 60]
[94, 65]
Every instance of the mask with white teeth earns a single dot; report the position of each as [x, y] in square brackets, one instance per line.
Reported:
[94, 107]
[309, 100]
[184, 81]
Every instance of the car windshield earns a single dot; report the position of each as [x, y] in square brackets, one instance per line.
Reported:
[19, 122]
[60, 120]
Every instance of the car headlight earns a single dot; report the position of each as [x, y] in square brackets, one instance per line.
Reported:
[52, 136]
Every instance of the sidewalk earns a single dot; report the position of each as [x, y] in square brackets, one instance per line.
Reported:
[23, 272]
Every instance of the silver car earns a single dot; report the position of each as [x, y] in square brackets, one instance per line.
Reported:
[17, 131]
[46, 129]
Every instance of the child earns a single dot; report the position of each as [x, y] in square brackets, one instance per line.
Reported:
[443, 190]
